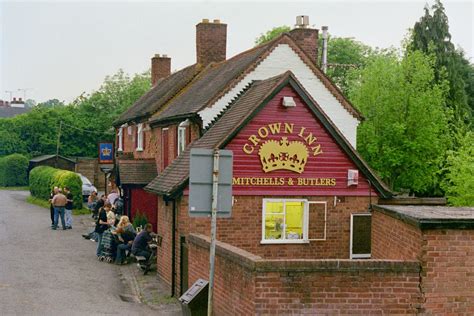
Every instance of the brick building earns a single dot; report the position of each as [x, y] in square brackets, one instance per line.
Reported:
[302, 236]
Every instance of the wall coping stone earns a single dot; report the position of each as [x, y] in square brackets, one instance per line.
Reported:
[256, 263]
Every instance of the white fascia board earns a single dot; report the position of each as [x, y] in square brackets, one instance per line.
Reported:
[281, 59]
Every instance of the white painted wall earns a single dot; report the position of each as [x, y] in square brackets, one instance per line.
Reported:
[281, 59]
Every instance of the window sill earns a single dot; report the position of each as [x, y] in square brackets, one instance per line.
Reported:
[139, 149]
[288, 241]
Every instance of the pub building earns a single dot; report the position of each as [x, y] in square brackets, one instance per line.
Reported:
[301, 236]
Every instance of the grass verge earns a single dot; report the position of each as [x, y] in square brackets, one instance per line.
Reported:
[15, 188]
[45, 204]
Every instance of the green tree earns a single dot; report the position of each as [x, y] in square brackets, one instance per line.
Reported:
[345, 55]
[404, 134]
[459, 181]
[431, 36]
[271, 34]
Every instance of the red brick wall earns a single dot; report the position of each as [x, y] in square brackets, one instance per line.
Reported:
[304, 287]
[394, 239]
[164, 229]
[448, 272]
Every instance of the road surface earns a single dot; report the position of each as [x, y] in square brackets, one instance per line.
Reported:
[47, 272]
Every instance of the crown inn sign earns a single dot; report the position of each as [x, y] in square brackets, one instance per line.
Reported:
[277, 152]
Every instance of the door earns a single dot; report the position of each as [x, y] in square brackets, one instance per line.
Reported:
[360, 241]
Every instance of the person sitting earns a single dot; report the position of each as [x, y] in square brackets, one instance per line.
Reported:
[92, 201]
[110, 214]
[125, 238]
[140, 244]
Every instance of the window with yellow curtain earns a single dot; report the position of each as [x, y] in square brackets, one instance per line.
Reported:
[284, 220]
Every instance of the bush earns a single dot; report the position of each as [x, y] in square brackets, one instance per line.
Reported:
[13, 170]
[43, 179]
[139, 219]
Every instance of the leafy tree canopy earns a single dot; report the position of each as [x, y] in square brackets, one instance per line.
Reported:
[271, 34]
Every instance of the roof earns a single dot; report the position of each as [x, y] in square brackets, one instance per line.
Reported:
[186, 92]
[237, 115]
[7, 111]
[213, 80]
[431, 217]
[164, 90]
[136, 171]
[47, 157]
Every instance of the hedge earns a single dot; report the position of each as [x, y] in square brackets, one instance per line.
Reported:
[43, 179]
[13, 170]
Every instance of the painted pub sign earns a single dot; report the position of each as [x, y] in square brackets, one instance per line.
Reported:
[282, 152]
[106, 152]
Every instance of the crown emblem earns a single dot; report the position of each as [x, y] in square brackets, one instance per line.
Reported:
[106, 151]
[283, 155]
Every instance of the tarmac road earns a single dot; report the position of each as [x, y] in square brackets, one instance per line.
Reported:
[46, 272]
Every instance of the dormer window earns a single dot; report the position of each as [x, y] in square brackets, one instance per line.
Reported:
[182, 135]
[139, 137]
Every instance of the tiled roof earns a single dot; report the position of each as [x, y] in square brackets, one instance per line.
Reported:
[209, 83]
[136, 171]
[178, 171]
[160, 94]
[46, 157]
[6, 111]
[175, 176]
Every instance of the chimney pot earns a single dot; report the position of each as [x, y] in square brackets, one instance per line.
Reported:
[211, 42]
[160, 68]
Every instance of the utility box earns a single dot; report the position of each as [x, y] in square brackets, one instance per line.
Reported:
[194, 300]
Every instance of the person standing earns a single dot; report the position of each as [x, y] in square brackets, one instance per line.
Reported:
[68, 207]
[59, 202]
[51, 207]
[100, 227]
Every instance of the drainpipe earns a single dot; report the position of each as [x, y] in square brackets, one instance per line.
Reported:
[173, 251]
[324, 59]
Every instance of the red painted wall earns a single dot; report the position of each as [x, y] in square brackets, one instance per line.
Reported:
[146, 203]
[327, 167]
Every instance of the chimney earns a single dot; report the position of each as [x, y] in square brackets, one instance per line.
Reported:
[160, 67]
[305, 37]
[211, 42]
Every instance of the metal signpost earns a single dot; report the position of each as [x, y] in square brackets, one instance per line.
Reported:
[214, 187]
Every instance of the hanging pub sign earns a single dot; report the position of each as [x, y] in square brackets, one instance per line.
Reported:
[106, 152]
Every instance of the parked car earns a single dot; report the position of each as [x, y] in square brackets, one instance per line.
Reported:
[87, 187]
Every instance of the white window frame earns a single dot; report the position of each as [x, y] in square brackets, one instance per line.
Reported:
[139, 137]
[305, 239]
[120, 139]
[357, 255]
[181, 139]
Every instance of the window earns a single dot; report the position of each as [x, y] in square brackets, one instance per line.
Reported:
[182, 135]
[285, 221]
[360, 241]
[164, 147]
[120, 139]
[139, 137]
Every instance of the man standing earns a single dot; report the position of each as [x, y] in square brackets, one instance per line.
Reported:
[51, 207]
[59, 201]
[69, 206]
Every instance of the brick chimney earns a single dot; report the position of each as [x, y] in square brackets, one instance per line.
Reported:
[211, 41]
[160, 67]
[305, 37]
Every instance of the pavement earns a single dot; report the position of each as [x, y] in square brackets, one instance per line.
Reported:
[47, 272]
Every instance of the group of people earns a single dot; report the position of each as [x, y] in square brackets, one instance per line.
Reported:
[61, 201]
[115, 235]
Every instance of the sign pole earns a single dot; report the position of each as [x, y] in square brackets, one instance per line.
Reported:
[212, 251]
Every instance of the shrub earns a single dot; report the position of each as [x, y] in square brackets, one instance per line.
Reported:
[139, 219]
[13, 170]
[43, 179]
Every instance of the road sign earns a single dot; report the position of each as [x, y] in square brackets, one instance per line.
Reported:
[201, 181]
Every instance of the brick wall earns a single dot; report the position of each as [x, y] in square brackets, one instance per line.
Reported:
[246, 284]
[448, 272]
[404, 239]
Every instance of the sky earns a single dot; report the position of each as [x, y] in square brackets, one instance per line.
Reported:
[60, 49]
